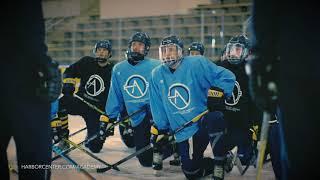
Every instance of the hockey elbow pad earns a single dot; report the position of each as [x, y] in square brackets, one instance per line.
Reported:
[68, 86]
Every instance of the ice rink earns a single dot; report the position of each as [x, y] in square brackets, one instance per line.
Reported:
[114, 150]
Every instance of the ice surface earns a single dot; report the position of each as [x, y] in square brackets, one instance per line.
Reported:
[114, 150]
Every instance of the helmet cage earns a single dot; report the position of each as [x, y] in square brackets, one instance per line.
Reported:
[236, 53]
[170, 54]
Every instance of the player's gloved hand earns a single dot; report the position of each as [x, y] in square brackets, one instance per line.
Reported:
[49, 75]
[159, 139]
[215, 99]
[263, 76]
[106, 127]
[57, 132]
[68, 89]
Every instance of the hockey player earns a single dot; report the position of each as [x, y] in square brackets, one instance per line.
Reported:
[196, 48]
[129, 90]
[178, 93]
[95, 75]
[240, 112]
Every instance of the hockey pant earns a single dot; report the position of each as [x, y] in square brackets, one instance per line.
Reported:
[211, 129]
[74, 106]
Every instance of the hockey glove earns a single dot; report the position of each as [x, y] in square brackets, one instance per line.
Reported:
[106, 127]
[159, 139]
[215, 99]
[68, 86]
[68, 89]
[50, 80]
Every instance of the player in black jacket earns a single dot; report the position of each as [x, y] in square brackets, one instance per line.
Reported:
[241, 113]
[30, 80]
[95, 75]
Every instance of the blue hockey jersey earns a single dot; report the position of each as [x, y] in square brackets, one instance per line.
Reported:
[179, 96]
[130, 87]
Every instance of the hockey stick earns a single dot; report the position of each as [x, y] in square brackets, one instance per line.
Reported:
[143, 108]
[77, 132]
[263, 142]
[195, 119]
[95, 136]
[103, 113]
[72, 148]
[87, 152]
[67, 158]
[252, 161]
[67, 150]
[89, 104]
[245, 169]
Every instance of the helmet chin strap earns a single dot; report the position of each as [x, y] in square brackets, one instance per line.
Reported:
[134, 57]
[102, 60]
[175, 64]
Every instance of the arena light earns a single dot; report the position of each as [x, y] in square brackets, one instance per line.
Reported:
[213, 43]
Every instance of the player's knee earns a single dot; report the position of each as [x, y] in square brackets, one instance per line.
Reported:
[192, 174]
[217, 143]
[145, 159]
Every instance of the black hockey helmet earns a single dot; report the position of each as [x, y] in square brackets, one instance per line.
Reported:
[139, 37]
[196, 46]
[237, 49]
[103, 44]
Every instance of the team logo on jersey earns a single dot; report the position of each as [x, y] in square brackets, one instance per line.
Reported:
[95, 85]
[179, 96]
[136, 86]
[236, 95]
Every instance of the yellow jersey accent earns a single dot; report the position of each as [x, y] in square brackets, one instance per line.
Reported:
[254, 131]
[64, 122]
[215, 93]
[154, 130]
[69, 80]
[195, 119]
[104, 118]
[55, 123]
